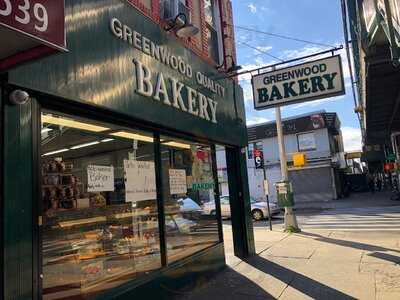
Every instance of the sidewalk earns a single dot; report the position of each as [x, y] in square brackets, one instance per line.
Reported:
[359, 260]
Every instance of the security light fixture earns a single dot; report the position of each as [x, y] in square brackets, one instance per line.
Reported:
[183, 31]
[19, 97]
[233, 68]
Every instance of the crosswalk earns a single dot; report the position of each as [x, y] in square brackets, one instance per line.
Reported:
[354, 219]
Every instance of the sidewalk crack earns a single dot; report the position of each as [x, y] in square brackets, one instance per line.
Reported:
[286, 236]
[287, 285]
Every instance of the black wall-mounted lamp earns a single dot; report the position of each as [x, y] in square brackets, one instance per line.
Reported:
[184, 30]
[233, 68]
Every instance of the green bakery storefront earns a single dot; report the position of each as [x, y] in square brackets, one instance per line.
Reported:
[107, 165]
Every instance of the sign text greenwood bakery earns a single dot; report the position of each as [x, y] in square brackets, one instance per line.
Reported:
[169, 91]
[305, 82]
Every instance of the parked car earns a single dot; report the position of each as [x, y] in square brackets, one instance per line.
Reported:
[189, 208]
[259, 209]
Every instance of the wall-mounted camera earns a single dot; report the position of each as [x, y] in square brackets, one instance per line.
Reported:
[19, 97]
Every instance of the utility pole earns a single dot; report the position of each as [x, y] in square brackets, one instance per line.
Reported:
[285, 187]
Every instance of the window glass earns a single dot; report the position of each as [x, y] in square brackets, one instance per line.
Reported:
[209, 12]
[224, 200]
[100, 225]
[188, 193]
[212, 40]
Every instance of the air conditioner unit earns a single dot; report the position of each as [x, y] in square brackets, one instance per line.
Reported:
[170, 9]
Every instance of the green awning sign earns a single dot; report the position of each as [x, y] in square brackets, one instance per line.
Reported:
[203, 186]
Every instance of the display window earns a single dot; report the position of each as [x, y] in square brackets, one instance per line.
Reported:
[188, 185]
[99, 208]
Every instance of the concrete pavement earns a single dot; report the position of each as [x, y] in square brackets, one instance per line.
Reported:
[348, 252]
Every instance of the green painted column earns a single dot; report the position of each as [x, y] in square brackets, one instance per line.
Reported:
[242, 223]
[17, 200]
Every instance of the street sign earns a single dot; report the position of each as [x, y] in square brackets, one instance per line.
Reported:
[258, 159]
[309, 81]
[40, 20]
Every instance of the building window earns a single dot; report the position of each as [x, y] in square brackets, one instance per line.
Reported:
[211, 12]
[100, 220]
[306, 141]
[188, 187]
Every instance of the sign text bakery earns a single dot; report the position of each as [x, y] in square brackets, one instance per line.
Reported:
[169, 91]
[305, 82]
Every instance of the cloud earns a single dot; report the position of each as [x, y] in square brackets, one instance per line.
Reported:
[351, 138]
[263, 49]
[256, 120]
[309, 50]
[247, 90]
[252, 8]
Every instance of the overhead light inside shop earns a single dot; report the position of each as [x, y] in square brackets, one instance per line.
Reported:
[44, 130]
[177, 145]
[85, 145]
[48, 119]
[106, 140]
[56, 151]
[133, 136]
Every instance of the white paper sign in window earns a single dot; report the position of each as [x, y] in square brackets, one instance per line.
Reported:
[177, 181]
[140, 180]
[307, 142]
[100, 178]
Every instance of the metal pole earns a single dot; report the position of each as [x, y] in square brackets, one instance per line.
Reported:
[272, 66]
[266, 192]
[290, 218]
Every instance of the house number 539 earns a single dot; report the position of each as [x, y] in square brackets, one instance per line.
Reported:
[24, 11]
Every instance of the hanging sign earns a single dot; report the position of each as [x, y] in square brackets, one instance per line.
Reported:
[140, 180]
[309, 81]
[100, 178]
[177, 181]
[41, 20]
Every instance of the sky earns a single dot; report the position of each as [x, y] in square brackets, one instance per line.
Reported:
[319, 21]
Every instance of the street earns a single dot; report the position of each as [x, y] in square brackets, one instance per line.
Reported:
[348, 252]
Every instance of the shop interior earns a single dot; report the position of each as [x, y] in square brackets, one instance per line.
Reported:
[99, 204]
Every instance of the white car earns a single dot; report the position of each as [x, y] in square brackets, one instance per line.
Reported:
[259, 210]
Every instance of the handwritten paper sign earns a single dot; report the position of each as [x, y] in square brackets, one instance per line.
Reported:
[100, 178]
[177, 181]
[140, 180]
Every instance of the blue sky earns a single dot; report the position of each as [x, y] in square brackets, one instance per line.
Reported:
[314, 20]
